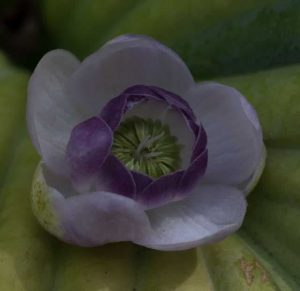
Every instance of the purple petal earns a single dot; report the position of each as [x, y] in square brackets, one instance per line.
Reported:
[193, 173]
[177, 185]
[160, 191]
[115, 109]
[200, 144]
[88, 147]
[174, 186]
[173, 100]
[156, 93]
[141, 181]
[114, 177]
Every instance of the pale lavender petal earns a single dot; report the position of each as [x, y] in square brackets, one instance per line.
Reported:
[250, 184]
[125, 62]
[50, 113]
[98, 218]
[234, 147]
[88, 147]
[89, 219]
[251, 114]
[208, 214]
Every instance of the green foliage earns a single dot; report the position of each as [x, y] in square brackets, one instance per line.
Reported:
[214, 37]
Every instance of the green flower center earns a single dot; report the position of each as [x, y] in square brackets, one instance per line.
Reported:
[146, 146]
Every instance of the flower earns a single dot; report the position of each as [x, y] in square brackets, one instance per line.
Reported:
[134, 150]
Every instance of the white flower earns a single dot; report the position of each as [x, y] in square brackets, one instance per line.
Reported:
[134, 150]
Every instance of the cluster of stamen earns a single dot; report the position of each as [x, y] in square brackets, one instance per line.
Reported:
[146, 146]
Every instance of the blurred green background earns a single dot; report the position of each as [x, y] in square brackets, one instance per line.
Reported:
[214, 37]
[253, 45]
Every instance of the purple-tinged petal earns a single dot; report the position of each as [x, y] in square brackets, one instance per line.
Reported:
[161, 191]
[88, 147]
[200, 144]
[177, 185]
[193, 173]
[114, 110]
[51, 115]
[141, 181]
[208, 214]
[174, 186]
[114, 177]
[122, 63]
[139, 93]
[174, 100]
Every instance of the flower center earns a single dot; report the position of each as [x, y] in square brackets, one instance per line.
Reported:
[146, 146]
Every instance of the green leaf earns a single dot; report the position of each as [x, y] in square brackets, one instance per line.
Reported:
[214, 37]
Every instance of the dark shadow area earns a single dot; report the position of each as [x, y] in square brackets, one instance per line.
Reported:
[22, 36]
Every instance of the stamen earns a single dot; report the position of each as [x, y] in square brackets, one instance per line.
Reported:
[152, 155]
[146, 146]
[155, 138]
[141, 146]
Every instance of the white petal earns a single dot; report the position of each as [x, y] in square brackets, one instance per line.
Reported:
[124, 62]
[209, 214]
[50, 115]
[234, 135]
[90, 219]
[156, 110]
